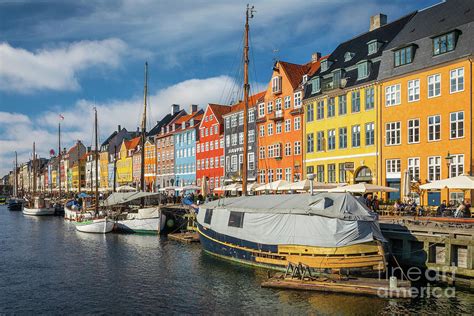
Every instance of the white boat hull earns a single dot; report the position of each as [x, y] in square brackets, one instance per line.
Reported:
[95, 226]
[145, 226]
[73, 215]
[38, 211]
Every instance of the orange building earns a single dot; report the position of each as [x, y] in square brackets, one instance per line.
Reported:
[150, 164]
[280, 123]
[426, 111]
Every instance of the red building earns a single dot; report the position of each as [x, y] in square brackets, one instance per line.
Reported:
[210, 146]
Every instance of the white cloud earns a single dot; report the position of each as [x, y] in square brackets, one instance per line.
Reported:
[55, 68]
[78, 119]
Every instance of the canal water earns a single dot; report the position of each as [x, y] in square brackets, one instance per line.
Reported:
[48, 267]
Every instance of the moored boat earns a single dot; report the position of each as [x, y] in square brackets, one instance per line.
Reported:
[39, 207]
[144, 221]
[326, 231]
[15, 204]
[97, 226]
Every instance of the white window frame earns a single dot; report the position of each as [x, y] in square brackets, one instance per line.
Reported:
[391, 129]
[433, 173]
[456, 161]
[456, 77]
[413, 88]
[297, 97]
[393, 95]
[432, 126]
[297, 123]
[457, 121]
[261, 132]
[261, 109]
[412, 167]
[287, 125]
[287, 102]
[411, 138]
[297, 148]
[436, 80]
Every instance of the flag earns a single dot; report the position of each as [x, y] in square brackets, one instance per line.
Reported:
[61, 117]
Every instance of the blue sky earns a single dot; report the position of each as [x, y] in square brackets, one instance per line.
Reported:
[68, 56]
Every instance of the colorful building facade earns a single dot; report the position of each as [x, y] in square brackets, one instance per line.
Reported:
[150, 164]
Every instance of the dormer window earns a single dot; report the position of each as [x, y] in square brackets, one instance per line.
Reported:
[373, 47]
[191, 122]
[324, 65]
[336, 78]
[183, 125]
[403, 56]
[348, 56]
[444, 43]
[362, 70]
[305, 78]
[276, 84]
[315, 85]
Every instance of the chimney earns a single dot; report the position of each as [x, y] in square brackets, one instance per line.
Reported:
[119, 128]
[193, 108]
[89, 149]
[377, 21]
[174, 109]
[315, 57]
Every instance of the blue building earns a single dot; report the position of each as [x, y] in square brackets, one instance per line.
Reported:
[185, 147]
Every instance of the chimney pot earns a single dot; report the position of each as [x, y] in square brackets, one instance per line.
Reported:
[193, 108]
[174, 109]
[377, 21]
[119, 128]
[315, 57]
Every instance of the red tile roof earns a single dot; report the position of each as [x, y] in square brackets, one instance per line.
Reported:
[313, 67]
[294, 72]
[219, 110]
[253, 100]
[132, 143]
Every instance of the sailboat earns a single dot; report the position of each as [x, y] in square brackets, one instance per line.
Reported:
[37, 205]
[324, 231]
[15, 203]
[98, 224]
[144, 220]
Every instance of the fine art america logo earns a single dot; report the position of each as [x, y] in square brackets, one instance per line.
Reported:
[430, 276]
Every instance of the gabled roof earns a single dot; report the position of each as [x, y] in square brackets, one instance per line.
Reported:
[218, 110]
[132, 144]
[164, 121]
[314, 66]
[253, 100]
[109, 139]
[188, 117]
[294, 72]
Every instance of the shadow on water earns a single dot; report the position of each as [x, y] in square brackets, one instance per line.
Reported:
[46, 266]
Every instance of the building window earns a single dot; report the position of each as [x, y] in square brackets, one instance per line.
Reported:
[278, 127]
[262, 176]
[276, 84]
[457, 80]
[320, 141]
[288, 125]
[457, 124]
[261, 109]
[434, 127]
[270, 175]
[287, 102]
[310, 170]
[369, 134]
[342, 104]
[298, 148]
[320, 173]
[309, 113]
[444, 43]
[297, 100]
[434, 168]
[261, 152]
[226, 123]
[392, 95]
[343, 137]
[234, 139]
[369, 98]
[251, 118]
[393, 165]
[233, 164]
[331, 139]
[262, 130]
[392, 133]
[309, 143]
[456, 167]
[278, 104]
[297, 123]
[362, 70]
[372, 47]
[331, 173]
[251, 136]
[331, 107]
[434, 86]
[403, 56]
[320, 110]
[413, 90]
[288, 149]
[241, 138]
[278, 174]
[356, 136]
[342, 173]
[233, 121]
[269, 107]
[251, 161]
[414, 168]
[355, 103]
[413, 131]
[288, 174]
[270, 129]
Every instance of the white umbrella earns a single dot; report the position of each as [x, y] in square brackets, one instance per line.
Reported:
[278, 185]
[250, 187]
[461, 182]
[406, 184]
[189, 188]
[362, 188]
[126, 188]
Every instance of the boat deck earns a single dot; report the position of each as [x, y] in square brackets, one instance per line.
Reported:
[185, 237]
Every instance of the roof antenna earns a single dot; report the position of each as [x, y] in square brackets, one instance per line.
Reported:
[275, 54]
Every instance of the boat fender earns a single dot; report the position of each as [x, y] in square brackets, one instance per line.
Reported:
[170, 223]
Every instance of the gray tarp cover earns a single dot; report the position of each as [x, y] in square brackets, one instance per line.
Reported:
[125, 197]
[324, 219]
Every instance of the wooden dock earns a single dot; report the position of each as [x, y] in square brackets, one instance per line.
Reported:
[363, 286]
[185, 237]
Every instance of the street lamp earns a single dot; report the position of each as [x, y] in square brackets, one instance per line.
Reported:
[449, 160]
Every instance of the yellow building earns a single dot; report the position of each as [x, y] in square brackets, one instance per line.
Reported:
[426, 117]
[104, 168]
[341, 104]
[125, 163]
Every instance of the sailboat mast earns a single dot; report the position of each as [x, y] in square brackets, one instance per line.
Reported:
[59, 157]
[115, 168]
[79, 167]
[34, 168]
[143, 135]
[16, 174]
[248, 14]
[96, 154]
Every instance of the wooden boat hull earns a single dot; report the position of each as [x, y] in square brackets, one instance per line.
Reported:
[365, 256]
[95, 226]
[38, 211]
